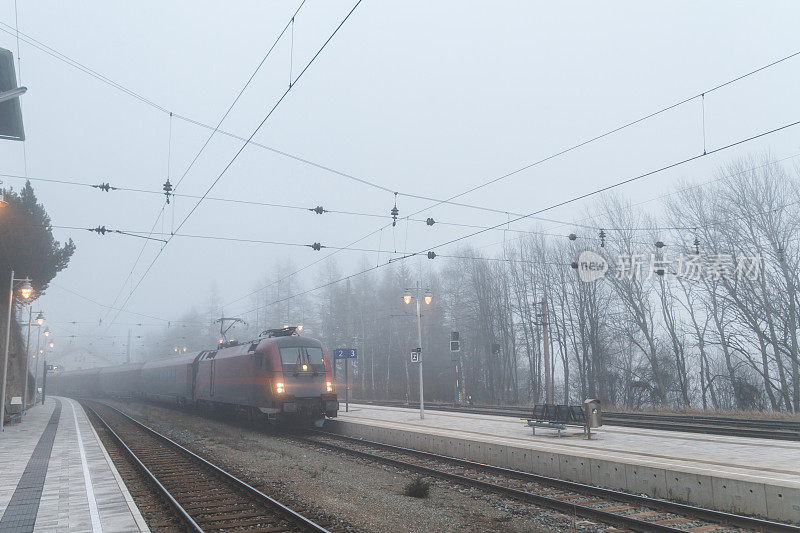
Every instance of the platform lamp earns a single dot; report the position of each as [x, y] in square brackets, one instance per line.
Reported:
[25, 290]
[407, 297]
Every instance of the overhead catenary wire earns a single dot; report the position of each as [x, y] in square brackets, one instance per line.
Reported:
[168, 187]
[241, 149]
[241, 92]
[607, 133]
[437, 201]
[624, 182]
[66, 59]
[544, 209]
[598, 137]
[739, 78]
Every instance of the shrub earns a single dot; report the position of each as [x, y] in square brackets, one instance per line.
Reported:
[417, 487]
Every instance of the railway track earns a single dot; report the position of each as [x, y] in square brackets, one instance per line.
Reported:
[728, 426]
[183, 491]
[629, 511]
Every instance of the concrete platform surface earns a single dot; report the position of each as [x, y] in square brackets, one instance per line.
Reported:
[55, 475]
[735, 474]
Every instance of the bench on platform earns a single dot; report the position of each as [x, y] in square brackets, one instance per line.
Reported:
[14, 409]
[556, 417]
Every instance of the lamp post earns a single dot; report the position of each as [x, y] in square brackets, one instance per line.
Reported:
[26, 290]
[39, 322]
[428, 299]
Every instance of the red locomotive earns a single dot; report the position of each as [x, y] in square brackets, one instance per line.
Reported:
[281, 376]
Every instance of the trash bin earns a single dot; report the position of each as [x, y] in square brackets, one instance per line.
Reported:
[594, 415]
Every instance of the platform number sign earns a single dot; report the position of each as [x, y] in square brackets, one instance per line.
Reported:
[345, 353]
[415, 355]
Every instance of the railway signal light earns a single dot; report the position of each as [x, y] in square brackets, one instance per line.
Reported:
[455, 344]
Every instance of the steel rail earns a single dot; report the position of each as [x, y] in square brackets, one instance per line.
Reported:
[286, 511]
[701, 513]
[153, 479]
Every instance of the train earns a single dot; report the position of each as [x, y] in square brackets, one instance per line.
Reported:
[279, 377]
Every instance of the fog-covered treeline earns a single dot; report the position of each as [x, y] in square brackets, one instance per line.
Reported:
[709, 330]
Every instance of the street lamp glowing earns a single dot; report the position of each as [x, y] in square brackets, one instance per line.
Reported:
[46, 332]
[407, 298]
[428, 298]
[40, 318]
[52, 344]
[26, 290]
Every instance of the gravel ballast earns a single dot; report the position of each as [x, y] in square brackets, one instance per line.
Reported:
[353, 493]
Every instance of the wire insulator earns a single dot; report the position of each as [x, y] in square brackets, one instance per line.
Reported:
[316, 246]
[167, 189]
[660, 244]
[429, 221]
[395, 211]
[572, 236]
[318, 210]
[431, 255]
[602, 239]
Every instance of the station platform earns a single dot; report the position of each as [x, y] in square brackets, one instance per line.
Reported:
[55, 475]
[735, 474]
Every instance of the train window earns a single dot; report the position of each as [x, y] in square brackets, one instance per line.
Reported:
[296, 355]
[315, 355]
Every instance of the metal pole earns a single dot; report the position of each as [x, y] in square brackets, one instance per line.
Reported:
[44, 379]
[419, 344]
[27, 360]
[347, 383]
[548, 381]
[5, 356]
[36, 372]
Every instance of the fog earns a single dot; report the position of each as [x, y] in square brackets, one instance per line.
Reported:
[424, 99]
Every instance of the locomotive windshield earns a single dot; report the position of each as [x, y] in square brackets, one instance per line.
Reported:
[301, 355]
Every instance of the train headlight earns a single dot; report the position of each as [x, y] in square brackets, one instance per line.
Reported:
[279, 387]
[329, 386]
[305, 367]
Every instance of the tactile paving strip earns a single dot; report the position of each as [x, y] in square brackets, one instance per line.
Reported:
[20, 515]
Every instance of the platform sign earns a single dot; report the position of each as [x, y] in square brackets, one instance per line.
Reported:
[416, 354]
[345, 353]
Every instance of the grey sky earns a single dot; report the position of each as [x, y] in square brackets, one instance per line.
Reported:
[422, 97]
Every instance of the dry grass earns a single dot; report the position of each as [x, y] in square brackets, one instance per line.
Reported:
[417, 487]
